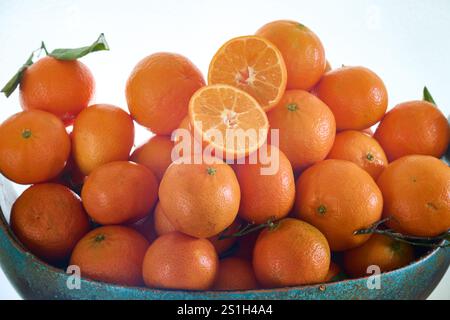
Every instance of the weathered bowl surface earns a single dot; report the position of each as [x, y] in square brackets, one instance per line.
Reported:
[34, 279]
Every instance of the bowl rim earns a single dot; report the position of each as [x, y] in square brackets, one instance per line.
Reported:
[15, 242]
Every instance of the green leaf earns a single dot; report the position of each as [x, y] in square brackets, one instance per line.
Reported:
[73, 54]
[12, 84]
[427, 96]
[61, 54]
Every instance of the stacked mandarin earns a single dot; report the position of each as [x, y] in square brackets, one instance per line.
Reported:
[266, 174]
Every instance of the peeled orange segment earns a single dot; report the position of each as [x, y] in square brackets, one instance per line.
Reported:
[228, 119]
[252, 64]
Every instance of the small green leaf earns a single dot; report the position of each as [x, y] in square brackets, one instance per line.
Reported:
[73, 54]
[12, 84]
[427, 96]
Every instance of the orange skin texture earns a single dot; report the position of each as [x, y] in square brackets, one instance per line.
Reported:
[416, 192]
[379, 250]
[338, 198]
[163, 226]
[34, 147]
[49, 220]
[159, 88]
[265, 197]
[356, 95]
[306, 128]
[63, 88]
[235, 274]
[179, 261]
[155, 154]
[200, 200]
[294, 253]
[415, 127]
[301, 49]
[101, 133]
[361, 149]
[112, 254]
[333, 272]
[119, 192]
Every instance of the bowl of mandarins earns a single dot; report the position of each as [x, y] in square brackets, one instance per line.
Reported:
[264, 182]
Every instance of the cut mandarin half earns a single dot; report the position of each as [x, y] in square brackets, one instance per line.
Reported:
[229, 120]
[252, 64]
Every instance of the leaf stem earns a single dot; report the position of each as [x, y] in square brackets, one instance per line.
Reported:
[247, 229]
[413, 240]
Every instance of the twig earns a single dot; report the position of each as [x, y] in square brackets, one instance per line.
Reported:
[249, 228]
[413, 240]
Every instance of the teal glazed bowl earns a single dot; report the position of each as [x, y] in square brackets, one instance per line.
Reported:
[35, 279]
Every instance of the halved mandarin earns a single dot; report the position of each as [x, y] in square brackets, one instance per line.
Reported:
[252, 64]
[229, 120]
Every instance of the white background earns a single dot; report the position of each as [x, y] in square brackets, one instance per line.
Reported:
[405, 42]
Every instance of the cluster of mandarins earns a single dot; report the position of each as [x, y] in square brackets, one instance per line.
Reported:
[145, 219]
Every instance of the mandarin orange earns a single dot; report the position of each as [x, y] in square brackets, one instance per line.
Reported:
[381, 251]
[306, 128]
[415, 127]
[302, 51]
[119, 192]
[179, 261]
[101, 133]
[228, 120]
[356, 95]
[361, 149]
[34, 147]
[416, 193]
[293, 253]
[338, 198]
[111, 254]
[202, 199]
[159, 88]
[63, 88]
[252, 64]
[266, 194]
[235, 274]
[49, 220]
[155, 154]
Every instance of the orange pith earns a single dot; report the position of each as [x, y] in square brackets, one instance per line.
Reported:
[222, 110]
[252, 64]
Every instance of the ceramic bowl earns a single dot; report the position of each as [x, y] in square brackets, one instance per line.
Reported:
[35, 279]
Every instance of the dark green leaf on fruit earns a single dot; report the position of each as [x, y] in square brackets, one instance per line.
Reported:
[427, 96]
[72, 54]
[12, 84]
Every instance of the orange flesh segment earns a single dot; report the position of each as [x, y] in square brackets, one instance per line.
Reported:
[253, 65]
[229, 110]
